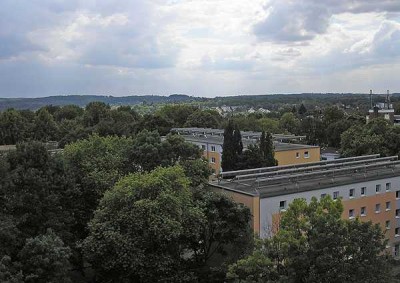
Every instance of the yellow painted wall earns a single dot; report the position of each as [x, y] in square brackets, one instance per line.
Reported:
[288, 157]
[369, 202]
[217, 165]
[252, 202]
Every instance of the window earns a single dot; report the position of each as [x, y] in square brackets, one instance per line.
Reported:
[306, 154]
[203, 147]
[282, 205]
[396, 250]
[387, 224]
[363, 191]
[378, 188]
[213, 148]
[351, 193]
[377, 208]
[397, 213]
[387, 205]
[212, 159]
[351, 213]
[397, 194]
[297, 154]
[323, 195]
[397, 231]
[388, 186]
[335, 195]
[363, 211]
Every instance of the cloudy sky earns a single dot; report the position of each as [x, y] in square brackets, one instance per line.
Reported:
[198, 47]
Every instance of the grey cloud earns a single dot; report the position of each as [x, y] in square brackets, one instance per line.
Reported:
[383, 49]
[132, 44]
[294, 21]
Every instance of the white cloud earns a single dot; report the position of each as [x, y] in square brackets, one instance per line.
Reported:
[208, 47]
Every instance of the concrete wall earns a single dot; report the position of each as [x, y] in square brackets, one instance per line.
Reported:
[252, 202]
[270, 210]
[297, 156]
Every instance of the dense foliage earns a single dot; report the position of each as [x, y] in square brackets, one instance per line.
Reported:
[314, 244]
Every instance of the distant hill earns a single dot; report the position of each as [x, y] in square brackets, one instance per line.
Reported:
[270, 101]
[83, 100]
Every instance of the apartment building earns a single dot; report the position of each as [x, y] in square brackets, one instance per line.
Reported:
[369, 187]
[286, 152]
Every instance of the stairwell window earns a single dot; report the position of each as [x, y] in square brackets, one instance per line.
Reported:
[363, 191]
[335, 195]
[282, 205]
[363, 211]
[351, 213]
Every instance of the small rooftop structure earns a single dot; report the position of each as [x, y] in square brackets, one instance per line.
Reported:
[281, 180]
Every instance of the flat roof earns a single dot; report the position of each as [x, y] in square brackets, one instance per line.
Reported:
[279, 146]
[220, 132]
[308, 178]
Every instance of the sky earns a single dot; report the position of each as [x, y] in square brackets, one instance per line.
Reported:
[198, 47]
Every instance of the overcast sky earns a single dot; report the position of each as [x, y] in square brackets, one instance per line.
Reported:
[198, 47]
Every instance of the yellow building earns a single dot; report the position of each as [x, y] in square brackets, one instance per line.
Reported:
[211, 141]
[369, 187]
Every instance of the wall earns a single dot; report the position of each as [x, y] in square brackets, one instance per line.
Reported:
[270, 211]
[252, 202]
[288, 157]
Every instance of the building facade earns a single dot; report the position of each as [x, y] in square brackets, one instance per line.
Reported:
[211, 141]
[369, 187]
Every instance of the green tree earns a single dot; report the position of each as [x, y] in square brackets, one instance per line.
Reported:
[237, 141]
[302, 110]
[224, 237]
[95, 112]
[178, 114]
[13, 127]
[204, 119]
[252, 157]
[267, 149]
[375, 137]
[136, 233]
[45, 128]
[97, 164]
[289, 123]
[45, 259]
[68, 112]
[229, 153]
[35, 194]
[315, 245]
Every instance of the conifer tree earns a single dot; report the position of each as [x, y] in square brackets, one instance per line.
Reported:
[302, 109]
[228, 148]
[237, 140]
[267, 149]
